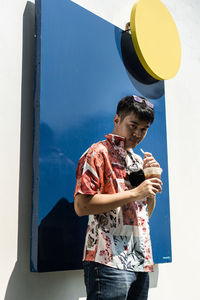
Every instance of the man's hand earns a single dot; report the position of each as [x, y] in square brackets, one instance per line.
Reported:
[149, 161]
[148, 188]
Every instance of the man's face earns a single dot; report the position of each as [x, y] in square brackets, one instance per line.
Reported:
[132, 128]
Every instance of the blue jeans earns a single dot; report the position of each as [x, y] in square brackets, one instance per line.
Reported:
[106, 283]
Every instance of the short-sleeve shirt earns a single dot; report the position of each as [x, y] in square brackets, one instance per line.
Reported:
[119, 238]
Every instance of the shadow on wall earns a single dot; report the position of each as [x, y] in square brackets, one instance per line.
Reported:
[58, 245]
[24, 285]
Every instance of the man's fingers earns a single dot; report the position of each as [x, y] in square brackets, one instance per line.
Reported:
[157, 187]
[155, 179]
[150, 160]
[147, 154]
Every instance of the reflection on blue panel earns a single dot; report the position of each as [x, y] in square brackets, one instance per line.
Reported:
[80, 77]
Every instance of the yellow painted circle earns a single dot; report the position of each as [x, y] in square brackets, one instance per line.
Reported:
[155, 38]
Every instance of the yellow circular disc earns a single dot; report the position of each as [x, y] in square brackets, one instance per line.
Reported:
[155, 38]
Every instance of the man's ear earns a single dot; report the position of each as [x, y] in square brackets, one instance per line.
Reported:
[116, 119]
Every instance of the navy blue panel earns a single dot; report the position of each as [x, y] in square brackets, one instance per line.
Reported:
[80, 76]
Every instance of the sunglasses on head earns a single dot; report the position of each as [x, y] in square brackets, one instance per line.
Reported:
[141, 100]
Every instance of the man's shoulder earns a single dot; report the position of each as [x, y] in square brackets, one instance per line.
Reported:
[100, 147]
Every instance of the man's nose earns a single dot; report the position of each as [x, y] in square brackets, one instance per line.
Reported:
[137, 133]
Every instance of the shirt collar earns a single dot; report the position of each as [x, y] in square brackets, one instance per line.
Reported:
[118, 143]
[116, 140]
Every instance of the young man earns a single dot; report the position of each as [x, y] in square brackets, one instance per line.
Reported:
[111, 189]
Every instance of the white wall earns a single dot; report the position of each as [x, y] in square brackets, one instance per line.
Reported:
[178, 280]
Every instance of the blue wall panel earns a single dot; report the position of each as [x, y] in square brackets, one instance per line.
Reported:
[80, 77]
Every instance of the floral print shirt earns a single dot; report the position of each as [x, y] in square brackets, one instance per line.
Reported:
[119, 238]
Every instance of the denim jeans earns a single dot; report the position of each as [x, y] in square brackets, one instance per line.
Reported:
[107, 283]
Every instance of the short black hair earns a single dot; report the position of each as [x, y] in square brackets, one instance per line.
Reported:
[141, 109]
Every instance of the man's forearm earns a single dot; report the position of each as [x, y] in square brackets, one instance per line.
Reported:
[151, 203]
[101, 203]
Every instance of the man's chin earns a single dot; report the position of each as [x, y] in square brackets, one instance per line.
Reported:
[132, 145]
